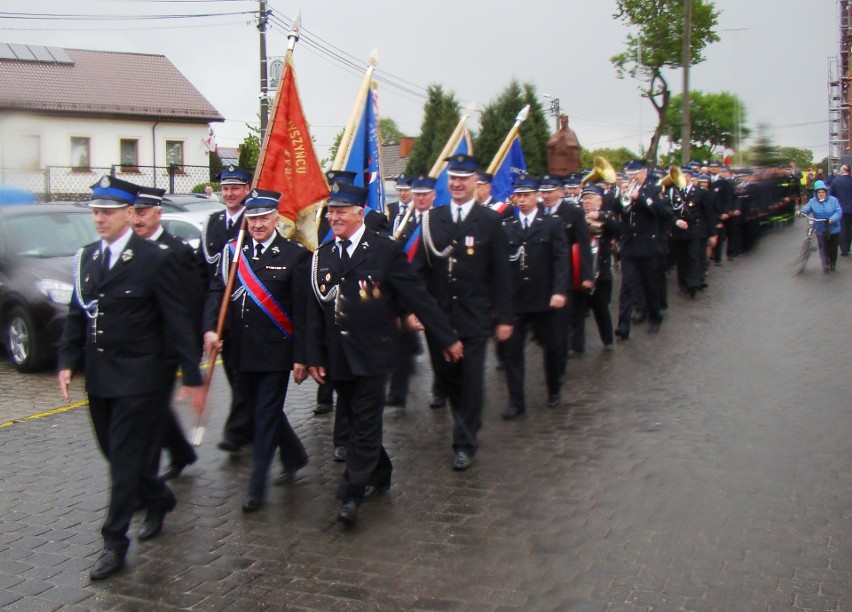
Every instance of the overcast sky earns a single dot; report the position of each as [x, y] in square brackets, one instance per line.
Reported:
[774, 55]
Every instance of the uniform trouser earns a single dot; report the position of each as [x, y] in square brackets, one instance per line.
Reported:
[638, 275]
[128, 431]
[663, 267]
[734, 228]
[703, 262]
[325, 394]
[688, 262]
[846, 233]
[576, 308]
[598, 301]
[266, 393]
[367, 462]
[828, 249]
[340, 433]
[407, 348]
[174, 441]
[463, 383]
[239, 426]
[545, 329]
[721, 236]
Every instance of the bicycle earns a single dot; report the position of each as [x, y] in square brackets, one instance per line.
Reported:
[807, 244]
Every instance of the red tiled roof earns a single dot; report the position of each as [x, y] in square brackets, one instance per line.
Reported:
[104, 83]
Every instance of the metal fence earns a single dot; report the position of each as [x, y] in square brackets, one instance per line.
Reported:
[67, 183]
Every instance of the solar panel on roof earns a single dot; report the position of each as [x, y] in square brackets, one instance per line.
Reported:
[41, 53]
[60, 55]
[6, 52]
[22, 52]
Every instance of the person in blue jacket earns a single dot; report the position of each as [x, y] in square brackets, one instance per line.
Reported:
[827, 210]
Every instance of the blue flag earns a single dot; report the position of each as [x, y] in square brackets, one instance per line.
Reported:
[364, 156]
[442, 191]
[504, 177]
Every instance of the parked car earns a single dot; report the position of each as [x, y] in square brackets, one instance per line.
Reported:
[190, 202]
[15, 195]
[186, 225]
[37, 247]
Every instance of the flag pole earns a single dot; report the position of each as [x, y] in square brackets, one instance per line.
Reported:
[345, 146]
[197, 434]
[453, 141]
[507, 142]
[357, 109]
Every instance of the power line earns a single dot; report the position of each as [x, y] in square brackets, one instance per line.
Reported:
[82, 17]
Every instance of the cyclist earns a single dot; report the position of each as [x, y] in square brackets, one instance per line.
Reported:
[826, 210]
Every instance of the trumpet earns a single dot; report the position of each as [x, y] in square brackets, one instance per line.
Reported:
[626, 202]
[602, 171]
[674, 177]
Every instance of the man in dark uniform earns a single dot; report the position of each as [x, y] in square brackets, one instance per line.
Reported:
[580, 277]
[221, 228]
[397, 210]
[603, 229]
[146, 223]
[538, 251]
[640, 226]
[409, 346]
[267, 317]
[464, 258]
[708, 238]
[127, 315]
[687, 206]
[724, 202]
[360, 280]
[484, 197]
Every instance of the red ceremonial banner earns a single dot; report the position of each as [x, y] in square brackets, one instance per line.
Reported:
[290, 166]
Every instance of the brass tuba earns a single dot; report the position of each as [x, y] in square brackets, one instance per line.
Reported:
[602, 171]
[674, 177]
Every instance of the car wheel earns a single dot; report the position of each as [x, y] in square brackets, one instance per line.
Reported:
[22, 341]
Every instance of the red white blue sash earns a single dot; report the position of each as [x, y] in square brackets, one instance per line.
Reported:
[261, 296]
[411, 245]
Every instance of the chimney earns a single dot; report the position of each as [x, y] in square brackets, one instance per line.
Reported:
[406, 143]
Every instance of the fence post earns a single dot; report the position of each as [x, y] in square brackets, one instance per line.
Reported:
[47, 197]
[171, 178]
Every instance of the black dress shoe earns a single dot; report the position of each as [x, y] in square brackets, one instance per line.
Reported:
[654, 327]
[348, 513]
[339, 453]
[623, 335]
[109, 563]
[511, 412]
[153, 523]
[175, 468]
[371, 491]
[252, 504]
[462, 461]
[288, 475]
[323, 408]
[438, 402]
[553, 400]
[228, 446]
[639, 318]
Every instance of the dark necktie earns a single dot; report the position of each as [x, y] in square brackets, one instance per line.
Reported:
[344, 252]
[258, 251]
[458, 215]
[230, 224]
[107, 254]
[526, 223]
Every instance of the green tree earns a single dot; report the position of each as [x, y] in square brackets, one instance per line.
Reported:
[390, 131]
[250, 149]
[804, 158]
[657, 45]
[764, 152]
[618, 158]
[216, 165]
[714, 121]
[440, 116]
[499, 117]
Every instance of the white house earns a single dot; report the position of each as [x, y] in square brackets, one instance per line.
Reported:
[67, 116]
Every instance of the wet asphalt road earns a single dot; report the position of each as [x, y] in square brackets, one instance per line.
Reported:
[704, 468]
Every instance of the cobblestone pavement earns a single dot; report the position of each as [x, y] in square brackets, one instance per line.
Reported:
[705, 468]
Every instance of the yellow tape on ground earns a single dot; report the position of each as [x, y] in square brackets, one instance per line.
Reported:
[62, 409]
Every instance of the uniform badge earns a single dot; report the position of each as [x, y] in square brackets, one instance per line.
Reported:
[105, 182]
[231, 168]
[328, 276]
[335, 188]
[245, 247]
[468, 242]
[254, 193]
[275, 250]
[127, 255]
[88, 277]
[96, 255]
[322, 288]
[363, 291]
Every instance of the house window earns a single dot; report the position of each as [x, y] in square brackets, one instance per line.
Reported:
[174, 153]
[30, 152]
[80, 149]
[129, 155]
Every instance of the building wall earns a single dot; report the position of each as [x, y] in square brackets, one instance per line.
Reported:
[55, 133]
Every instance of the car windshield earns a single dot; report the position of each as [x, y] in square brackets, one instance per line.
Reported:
[202, 204]
[54, 234]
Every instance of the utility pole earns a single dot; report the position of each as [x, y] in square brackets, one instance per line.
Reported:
[263, 17]
[686, 125]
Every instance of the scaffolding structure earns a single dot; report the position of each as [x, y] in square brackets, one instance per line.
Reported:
[839, 91]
